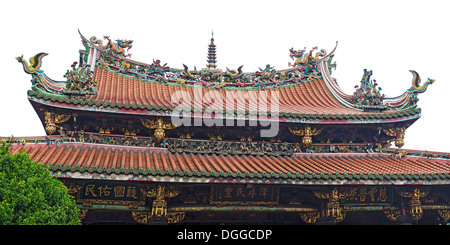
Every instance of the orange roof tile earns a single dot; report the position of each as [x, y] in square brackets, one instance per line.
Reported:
[148, 160]
[308, 97]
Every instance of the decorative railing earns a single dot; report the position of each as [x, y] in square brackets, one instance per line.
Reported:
[177, 145]
[196, 146]
[230, 147]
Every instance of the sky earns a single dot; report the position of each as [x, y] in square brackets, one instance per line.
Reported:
[388, 37]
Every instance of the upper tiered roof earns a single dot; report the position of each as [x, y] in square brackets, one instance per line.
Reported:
[106, 80]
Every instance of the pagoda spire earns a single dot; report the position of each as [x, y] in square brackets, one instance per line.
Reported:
[211, 54]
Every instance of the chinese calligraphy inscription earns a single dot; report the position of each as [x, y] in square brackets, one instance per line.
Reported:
[366, 195]
[244, 195]
[111, 193]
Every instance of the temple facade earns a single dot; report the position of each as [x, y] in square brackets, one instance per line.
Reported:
[146, 143]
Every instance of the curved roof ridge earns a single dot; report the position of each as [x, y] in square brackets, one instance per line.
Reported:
[334, 88]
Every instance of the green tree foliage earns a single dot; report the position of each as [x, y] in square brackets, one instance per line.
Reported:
[29, 195]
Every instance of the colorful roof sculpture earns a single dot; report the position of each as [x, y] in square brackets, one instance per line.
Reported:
[106, 80]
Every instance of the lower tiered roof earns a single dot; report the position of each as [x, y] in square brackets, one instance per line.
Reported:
[87, 160]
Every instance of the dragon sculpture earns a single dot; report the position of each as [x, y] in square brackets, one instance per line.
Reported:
[303, 59]
[187, 74]
[233, 75]
[117, 48]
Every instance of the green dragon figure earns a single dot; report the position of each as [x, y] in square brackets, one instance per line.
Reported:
[302, 59]
[117, 48]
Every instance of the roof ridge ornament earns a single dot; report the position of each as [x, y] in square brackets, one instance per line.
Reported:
[303, 59]
[39, 79]
[35, 63]
[409, 98]
[367, 95]
[211, 54]
[106, 57]
[117, 48]
[80, 80]
[416, 83]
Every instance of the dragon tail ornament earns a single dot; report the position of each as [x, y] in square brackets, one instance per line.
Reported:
[39, 78]
[410, 97]
[416, 83]
[35, 63]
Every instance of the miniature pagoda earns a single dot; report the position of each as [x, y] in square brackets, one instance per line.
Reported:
[148, 143]
[212, 54]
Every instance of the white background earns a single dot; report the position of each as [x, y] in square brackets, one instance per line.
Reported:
[388, 37]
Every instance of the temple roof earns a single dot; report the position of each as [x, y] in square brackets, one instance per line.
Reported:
[78, 159]
[304, 92]
[309, 100]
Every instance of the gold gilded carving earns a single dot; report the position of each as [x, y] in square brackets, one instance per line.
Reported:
[105, 130]
[389, 132]
[159, 126]
[141, 216]
[175, 217]
[130, 195]
[415, 204]
[392, 215]
[333, 206]
[307, 132]
[398, 133]
[62, 118]
[309, 217]
[160, 193]
[416, 209]
[50, 120]
[50, 126]
[83, 213]
[445, 214]
[241, 195]
[321, 194]
[129, 132]
[159, 207]
[72, 188]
